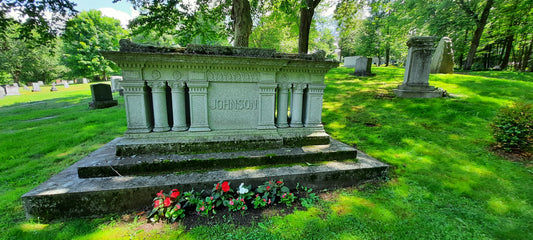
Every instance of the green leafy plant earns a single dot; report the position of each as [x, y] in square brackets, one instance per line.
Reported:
[287, 199]
[513, 127]
[271, 190]
[310, 198]
[167, 206]
[221, 192]
[237, 204]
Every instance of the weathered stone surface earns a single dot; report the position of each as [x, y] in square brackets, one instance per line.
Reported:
[53, 88]
[102, 96]
[115, 83]
[36, 87]
[416, 79]
[362, 65]
[195, 92]
[12, 90]
[142, 164]
[66, 195]
[442, 60]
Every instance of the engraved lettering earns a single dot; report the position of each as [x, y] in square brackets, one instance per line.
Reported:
[234, 104]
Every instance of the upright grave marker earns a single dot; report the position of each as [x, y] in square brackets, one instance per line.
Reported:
[36, 87]
[442, 60]
[102, 96]
[416, 80]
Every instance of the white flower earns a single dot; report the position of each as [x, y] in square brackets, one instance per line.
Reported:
[242, 189]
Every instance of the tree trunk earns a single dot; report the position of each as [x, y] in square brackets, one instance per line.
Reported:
[508, 45]
[480, 26]
[306, 18]
[526, 56]
[387, 55]
[242, 22]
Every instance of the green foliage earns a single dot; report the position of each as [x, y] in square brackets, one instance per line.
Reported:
[513, 127]
[25, 60]
[168, 206]
[85, 36]
[308, 198]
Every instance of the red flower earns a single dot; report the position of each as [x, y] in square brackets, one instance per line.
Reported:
[156, 203]
[225, 186]
[159, 194]
[178, 206]
[279, 182]
[218, 185]
[167, 202]
[268, 188]
[175, 193]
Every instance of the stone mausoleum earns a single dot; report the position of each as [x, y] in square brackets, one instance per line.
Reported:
[203, 114]
[222, 98]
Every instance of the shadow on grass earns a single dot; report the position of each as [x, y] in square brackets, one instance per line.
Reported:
[45, 137]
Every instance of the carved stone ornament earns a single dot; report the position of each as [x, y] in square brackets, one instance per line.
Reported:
[156, 75]
[157, 84]
[176, 75]
[285, 86]
[177, 84]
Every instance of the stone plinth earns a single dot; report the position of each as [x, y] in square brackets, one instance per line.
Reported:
[442, 60]
[254, 97]
[102, 96]
[12, 90]
[416, 80]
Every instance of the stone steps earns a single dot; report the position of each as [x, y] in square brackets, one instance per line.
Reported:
[68, 195]
[149, 164]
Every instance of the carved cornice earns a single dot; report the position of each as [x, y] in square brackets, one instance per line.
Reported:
[159, 85]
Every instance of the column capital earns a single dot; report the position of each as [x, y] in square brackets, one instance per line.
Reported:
[159, 85]
[299, 87]
[284, 86]
[175, 85]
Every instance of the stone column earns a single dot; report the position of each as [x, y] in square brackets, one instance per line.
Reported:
[198, 106]
[313, 108]
[138, 111]
[283, 105]
[267, 98]
[159, 102]
[416, 80]
[178, 106]
[296, 104]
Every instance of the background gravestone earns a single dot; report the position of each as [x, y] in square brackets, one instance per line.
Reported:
[41, 83]
[362, 65]
[442, 60]
[12, 90]
[53, 88]
[102, 96]
[115, 83]
[416, 80]
[65, 83]
[35, 87]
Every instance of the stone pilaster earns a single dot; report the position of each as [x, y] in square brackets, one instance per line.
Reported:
[138, 109]
[178, 106]
[159, 102]
[283, 105]
[297, 104]
[267, 98]
[198, 106]
[313, 108]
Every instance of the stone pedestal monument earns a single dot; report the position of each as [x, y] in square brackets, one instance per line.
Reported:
[416, 80]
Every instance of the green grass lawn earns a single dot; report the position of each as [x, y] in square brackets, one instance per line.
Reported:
[445, 182]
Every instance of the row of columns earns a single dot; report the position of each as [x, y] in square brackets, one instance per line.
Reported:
[139, 112]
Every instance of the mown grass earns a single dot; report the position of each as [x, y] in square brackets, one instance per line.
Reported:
[445, 182]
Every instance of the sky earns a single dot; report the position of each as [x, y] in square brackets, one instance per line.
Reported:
[122, 10]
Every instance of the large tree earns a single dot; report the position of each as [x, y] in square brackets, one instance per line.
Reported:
[85, 36]
[43, 17]
[481, 22]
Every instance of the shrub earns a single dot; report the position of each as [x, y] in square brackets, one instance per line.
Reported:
[513, 127]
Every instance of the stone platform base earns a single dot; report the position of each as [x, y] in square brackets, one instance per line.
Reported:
[67, 195]
[409, 91]
[103, 104]
[219, 141]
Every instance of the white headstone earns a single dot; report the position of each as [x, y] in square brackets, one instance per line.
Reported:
[70, 81]
[36, 87]
[12, 90]
[65, 83]
[85, 80]
[41, 83]
[53, 88]
[349, 62]
[115, 83]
